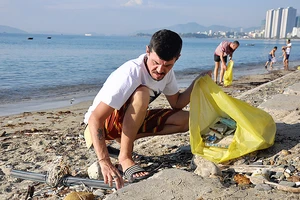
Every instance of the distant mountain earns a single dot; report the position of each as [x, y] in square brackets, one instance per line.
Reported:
[8, 29]
[193, 27]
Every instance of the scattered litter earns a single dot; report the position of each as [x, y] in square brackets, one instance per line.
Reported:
[220, 133]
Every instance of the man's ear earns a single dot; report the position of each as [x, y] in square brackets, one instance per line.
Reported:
[178, 57]
[147, 50]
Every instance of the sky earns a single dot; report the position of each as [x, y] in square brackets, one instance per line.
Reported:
[128, 16]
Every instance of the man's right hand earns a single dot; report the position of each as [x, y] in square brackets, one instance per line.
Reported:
[111, 173]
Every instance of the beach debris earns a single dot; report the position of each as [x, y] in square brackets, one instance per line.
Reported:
[285, 152]
[32, 131]
[241, 179]
[57, 170]
[3, 133]
[64, 112]
[80, 196]
[220, 133]
[30, 192]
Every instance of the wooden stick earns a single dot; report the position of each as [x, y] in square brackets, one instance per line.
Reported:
[251, 168]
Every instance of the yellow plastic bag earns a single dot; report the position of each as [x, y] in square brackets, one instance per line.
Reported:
[228, 75]
[255, 128]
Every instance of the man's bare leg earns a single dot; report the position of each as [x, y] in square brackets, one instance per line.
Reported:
[222, 71]
[176, 123]
[133, 119]
[217, 65]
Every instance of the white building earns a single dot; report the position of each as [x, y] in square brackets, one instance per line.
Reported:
[269, 20]
[280, 22]
[288, 21]
[276, 22]
[296, 32]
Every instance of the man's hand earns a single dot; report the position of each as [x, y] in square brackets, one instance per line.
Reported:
[111, 173]
[207, 72]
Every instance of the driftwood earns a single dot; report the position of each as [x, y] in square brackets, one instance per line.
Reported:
[251, 168]
[262, 180]
[284, 188]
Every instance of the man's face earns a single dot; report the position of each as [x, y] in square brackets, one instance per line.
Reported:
[158, 68]
[234, 46]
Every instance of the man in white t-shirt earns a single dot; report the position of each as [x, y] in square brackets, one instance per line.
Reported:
[287, 54]
[120, 109]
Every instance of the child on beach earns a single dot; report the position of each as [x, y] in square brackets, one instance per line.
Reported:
[283, 49]
[271, 58]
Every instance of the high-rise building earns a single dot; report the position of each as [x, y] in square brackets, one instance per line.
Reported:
[269, 20]
[280, 22]
[297, 22]
[288, 21]
[277, 16]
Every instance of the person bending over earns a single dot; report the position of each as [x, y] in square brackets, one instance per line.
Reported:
[224, 49]
[120, 109]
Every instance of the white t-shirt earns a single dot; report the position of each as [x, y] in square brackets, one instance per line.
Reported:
[288, 49]
[121, 83]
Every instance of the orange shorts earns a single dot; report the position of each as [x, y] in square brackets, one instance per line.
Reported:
[155, 120]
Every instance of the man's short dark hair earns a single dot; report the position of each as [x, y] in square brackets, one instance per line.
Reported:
[166, 43]
[236, 43]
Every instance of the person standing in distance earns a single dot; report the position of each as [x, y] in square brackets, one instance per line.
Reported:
[224, 49]
[287, 51]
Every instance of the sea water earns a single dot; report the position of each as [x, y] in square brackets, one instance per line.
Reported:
[44, 73]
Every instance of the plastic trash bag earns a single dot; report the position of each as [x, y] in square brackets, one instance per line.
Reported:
[228, 75]
[255, 128]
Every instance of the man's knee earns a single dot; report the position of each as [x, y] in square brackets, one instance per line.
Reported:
[181, 119]
[141, 97]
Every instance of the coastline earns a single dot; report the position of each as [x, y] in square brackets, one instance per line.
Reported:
[87, 95]
[32, 140]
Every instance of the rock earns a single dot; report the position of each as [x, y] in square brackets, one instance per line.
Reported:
[287, 183]
[262, 172]
[94, 171]
[99, 193]
[171, 184]
[263, 187]
[184, 149]
[205, 168]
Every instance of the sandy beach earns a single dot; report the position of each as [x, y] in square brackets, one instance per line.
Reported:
[31, 141]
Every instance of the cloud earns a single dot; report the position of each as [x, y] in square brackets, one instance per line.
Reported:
[134, 3]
